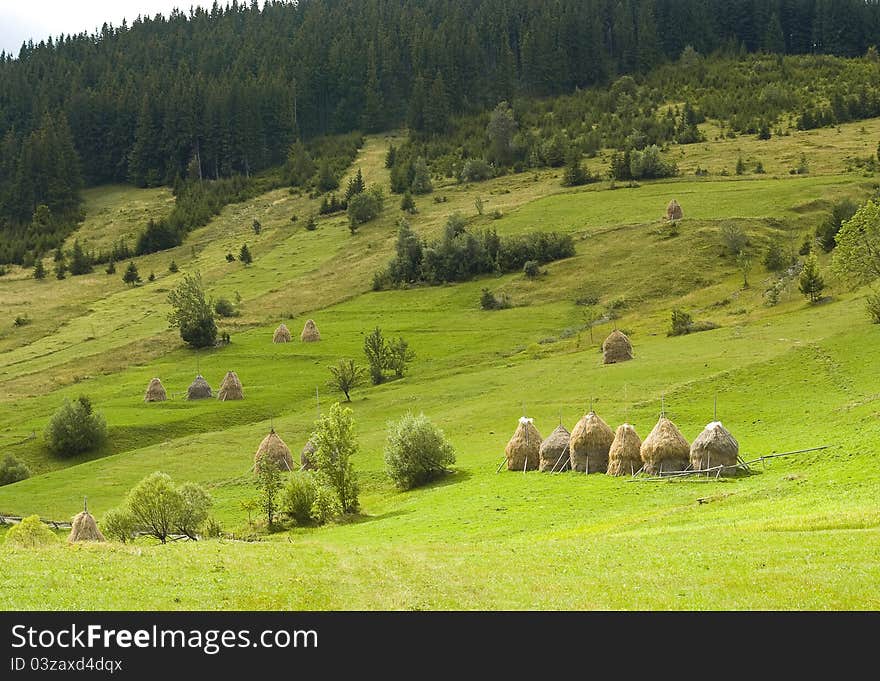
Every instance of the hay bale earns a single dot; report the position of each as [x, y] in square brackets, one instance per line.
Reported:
[199, 389]
[715, 446]
[523, 449]
[553, 452]
[281, 335]
[673, 211]
[230, 388]
[624, 457]
[310, 332]
[589, 444]
[155, 392]
[84, 528]
[665, 449]
[305, 457]
[273, 448]
[616, 348]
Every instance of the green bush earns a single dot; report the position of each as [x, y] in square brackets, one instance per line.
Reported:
[119, 524]
[416, 452]
[299, 496]
[476, 170]
[31, 533]
[224, 308]
[75, 428]
[160, 509]
[872, 306]
[12, 470]
[326, 505]
[364, 206]
[531, 269]
[681, 323]
[775, 259]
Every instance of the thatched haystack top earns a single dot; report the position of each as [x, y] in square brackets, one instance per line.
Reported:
[554, 450]
[306, 458]
[665, 448]
[617, 348]
[199, 389]
[84, 528]
[310, 332]
[230, 388]
[674, 211]
[590, 441]
[624, 457]
[155, 392]
[282, 334]
[523, 449]
[273, 448]
[715, 446]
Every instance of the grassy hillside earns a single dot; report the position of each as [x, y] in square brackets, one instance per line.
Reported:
[804, 532]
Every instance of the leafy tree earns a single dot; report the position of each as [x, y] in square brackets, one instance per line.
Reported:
[346, 376]
[269, 484]
[734, 238]
[131, 276]
[119, 524]
[12, 470]
[744, 263]
[501, 130]
[857, 256]
[160, 509]
[364, 207]
[416, 452]
[407, 264]
[399, 357]
[335, 446]
[299, 496]
[810, 282]
[244, 255]
[421, 182]
[191, 312]
[377, 351]
[872, 307]
[39, 269]
[75, 428]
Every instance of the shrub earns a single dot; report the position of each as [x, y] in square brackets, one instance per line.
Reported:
[326, 506]
[31, 533]
[475, 170]
[312, 223]
[230, 257]
[531, 269]
[364, 206]
[75, 428]
[399, 357]
[224, 308]
[416, 452]
[299, 496]
[377, 351]
[488, 300]
[575, 174]
[119, 523]
[407, 203]
[681, 323]
[152, 277]
[173, 268]
[12, 470]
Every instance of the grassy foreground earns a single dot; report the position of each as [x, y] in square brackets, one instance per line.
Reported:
[804, 532]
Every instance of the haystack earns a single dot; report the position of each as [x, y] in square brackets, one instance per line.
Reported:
[231, 388]
[523, 450]
[715, 446]
[624, 457]
[616, 348]
[155, 392]
[84, 528]
[554, 451]
[310, 333]
[273, 448]
[665, 449]
[673, 211]
[590, 441]
[199, 389]
[306, 458]
[281, 335]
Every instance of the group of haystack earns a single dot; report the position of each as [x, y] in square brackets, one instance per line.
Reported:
[230, 387]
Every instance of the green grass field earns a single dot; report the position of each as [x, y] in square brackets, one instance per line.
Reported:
[801, 532]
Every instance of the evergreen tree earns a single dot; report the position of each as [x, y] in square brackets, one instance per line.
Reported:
[244, 255]
[131, 276]
[810, 282]
[39, 269]
[356, 185]
[436, 107]
[80, 261]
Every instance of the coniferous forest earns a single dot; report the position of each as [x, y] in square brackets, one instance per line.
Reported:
[217, 93]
